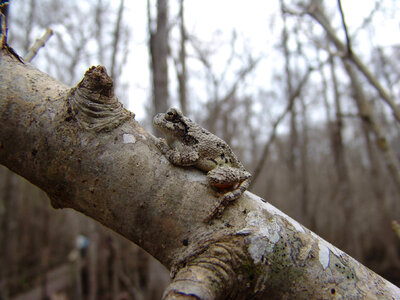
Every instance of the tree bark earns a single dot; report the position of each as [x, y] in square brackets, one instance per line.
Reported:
[88, 153]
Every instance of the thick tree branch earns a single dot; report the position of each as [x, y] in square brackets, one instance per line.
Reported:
[88, 153]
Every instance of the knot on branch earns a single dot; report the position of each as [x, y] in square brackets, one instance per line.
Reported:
[219, 272]
[93, 104]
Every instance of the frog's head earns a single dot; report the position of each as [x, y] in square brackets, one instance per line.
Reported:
[172, 123]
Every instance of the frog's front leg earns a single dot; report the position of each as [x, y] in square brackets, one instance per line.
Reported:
[183, 157]
[225, 177]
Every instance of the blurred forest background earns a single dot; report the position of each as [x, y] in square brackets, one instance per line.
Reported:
[310, 103]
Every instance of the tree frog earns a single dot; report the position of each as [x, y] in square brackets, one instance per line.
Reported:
[188, 144]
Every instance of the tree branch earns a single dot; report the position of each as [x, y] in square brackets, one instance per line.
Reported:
[348, 41]
[39, 43]
[88, 153]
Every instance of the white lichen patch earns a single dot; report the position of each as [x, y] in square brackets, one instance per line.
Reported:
[328, 245]
[128, 138]
[264, 235]
[265, 232]
[323, 255]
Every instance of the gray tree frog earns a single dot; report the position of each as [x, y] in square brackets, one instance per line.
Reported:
[188, 144]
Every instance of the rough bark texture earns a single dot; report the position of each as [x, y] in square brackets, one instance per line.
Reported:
[88, 153]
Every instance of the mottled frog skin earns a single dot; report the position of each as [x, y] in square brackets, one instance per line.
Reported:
[188, 144]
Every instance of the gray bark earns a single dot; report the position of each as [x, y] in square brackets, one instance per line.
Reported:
[88, 153]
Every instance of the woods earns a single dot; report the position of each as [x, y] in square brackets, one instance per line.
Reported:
[319, 135]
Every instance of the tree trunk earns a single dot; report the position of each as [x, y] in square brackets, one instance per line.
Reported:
[6, 216]
[337, 135]
[181, 65]
[368, 117]
[88, 153]
[293, 135]
[159, 54]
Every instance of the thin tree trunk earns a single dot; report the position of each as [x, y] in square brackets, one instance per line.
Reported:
[116, 41]
[305, 200]
[92, 260]
[367, 115]
[337, 132]
[341, 187]
[99, 31]
[45, 255]
[181, 70]
[159, 50]
[115, 269]
[6, 235]
[294, 136]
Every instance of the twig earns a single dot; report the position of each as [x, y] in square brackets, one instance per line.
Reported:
[348, 43]
[39, 43]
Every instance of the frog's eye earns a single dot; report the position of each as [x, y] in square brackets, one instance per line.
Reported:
[172, 115]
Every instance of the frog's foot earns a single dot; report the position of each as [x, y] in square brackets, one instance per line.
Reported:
[239, 184]
[227, 198]
[235, 194]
